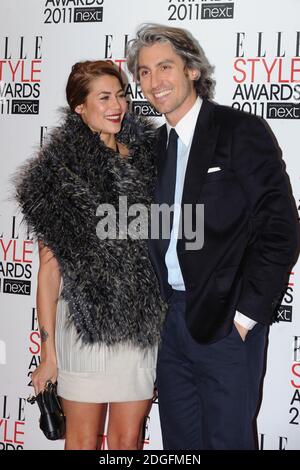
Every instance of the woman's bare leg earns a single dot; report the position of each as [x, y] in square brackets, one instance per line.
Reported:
[84, 424]
[125, 424]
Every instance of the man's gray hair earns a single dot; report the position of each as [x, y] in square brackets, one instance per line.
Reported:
[184, 44]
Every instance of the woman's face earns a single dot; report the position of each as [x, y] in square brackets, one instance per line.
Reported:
[105, 106]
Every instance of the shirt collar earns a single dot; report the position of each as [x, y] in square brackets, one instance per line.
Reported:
[186, 126]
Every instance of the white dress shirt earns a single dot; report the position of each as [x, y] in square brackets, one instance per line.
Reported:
[185, 130]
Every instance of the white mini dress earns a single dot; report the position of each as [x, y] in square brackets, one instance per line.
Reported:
[98, 373]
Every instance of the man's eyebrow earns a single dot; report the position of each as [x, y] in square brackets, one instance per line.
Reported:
[143, 67]
[165, 61]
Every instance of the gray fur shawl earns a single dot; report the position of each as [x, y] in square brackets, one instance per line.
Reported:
[110, 285]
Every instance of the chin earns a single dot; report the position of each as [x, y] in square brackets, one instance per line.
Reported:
[116, 129]
[112, 129]
[163, 107]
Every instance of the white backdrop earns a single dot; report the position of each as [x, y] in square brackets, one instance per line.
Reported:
[255, 47]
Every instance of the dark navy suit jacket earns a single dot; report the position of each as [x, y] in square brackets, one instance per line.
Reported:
[250, 223]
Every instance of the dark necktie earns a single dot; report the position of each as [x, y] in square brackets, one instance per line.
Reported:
[165, 189]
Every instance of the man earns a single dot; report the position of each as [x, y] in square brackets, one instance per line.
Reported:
[221, 297]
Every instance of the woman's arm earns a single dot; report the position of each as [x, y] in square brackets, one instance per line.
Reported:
[47, 294]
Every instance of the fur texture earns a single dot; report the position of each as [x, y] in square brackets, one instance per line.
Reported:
[110, 285]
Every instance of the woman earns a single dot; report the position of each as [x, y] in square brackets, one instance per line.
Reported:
[98, 303]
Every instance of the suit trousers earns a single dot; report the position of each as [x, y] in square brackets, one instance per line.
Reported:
[208, 393]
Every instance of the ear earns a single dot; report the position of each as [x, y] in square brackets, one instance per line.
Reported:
[79, 109]
[193, 74]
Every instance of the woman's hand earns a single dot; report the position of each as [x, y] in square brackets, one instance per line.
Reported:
[47, 370]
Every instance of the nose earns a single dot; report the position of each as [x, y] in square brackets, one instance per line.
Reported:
[116, 102]
[154, 79]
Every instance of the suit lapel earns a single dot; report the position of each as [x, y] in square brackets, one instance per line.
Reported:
[202, 151]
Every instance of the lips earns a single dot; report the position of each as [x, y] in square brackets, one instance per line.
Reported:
[161, 94]
[115, 118]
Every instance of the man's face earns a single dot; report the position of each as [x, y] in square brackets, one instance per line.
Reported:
[166, 82]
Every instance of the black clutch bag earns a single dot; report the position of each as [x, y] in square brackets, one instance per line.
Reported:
[52, 420]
